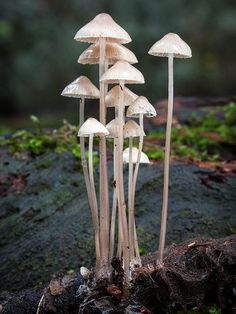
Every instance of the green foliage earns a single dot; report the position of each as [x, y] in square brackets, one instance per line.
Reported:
[38, 141]
[203, 139]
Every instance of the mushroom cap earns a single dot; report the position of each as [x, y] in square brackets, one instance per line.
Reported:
[171, 44]
[104, 26]
[143, 160]
[132, 129]
[114, 52]
[122, 71]
[112, 97]
[112, 128]
[85, 272]
[81, 87]
[141, 106]
[92, 126]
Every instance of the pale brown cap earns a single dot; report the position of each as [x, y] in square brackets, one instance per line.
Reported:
[141, 106]
[112, 128]
[132, 129]
[114, 53]
[171, 44]
[112, 97]
[104, 26]
[122, 71]
[92, 126]
[81, 87]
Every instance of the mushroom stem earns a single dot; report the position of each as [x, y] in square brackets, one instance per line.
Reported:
[167, 159]
[104, 198]
[120, 186]
[83, 157]
[131, 220]
[95, 205]
[137, 254]
[114, 210]
[140, 147]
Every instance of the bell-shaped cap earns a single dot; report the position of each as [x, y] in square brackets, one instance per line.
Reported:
[132, 129]
[122, 71]
[171, 44]
[114, 53]
[81, 87]
[141, 106]
[92, 126]
[112, 128]
[103, 26]
[112, 97]
[134, 151]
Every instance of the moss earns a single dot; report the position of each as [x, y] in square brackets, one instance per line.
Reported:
[203, 138]
[38, 141]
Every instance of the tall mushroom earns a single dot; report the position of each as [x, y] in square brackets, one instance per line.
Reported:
[139, 108]
[90, 128]
[131, 130]
[122, 73]
[102, 29]
[170, 46]
[112, 100]
[82, 88]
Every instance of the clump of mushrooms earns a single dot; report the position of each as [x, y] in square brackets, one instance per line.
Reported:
[106, 38]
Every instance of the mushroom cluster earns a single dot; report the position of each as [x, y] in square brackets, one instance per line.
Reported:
[115, 67]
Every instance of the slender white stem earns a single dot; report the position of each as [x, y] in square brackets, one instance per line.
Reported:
[130, 186]
[120, 186]
[167, 159]
[140, 147]
[83, 157]
[137, 254]
[104, 197]
[114, 209]
[95, 205]
[40, 303]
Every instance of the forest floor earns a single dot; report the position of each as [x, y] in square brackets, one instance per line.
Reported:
[45, 223]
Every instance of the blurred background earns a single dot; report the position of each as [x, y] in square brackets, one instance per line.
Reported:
[38, 56]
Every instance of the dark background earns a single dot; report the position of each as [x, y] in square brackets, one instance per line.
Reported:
[38, 54]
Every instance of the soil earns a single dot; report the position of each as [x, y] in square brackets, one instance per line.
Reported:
[46, 225]
[195, 273]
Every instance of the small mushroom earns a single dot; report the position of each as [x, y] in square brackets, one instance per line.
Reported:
[90, 128]
[85, 272]
[122, 73]
[170, 46]
[139, 108]
[134, 154]
[131, 130]
[82, 88]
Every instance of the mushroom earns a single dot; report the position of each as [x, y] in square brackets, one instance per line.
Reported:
[134, 154]
[122, 73]
[139, 108]
[90, 128]
[131, 130]
[82, 88]
[112, 100]
[102, 29]
[170, 46]
[114, 52]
